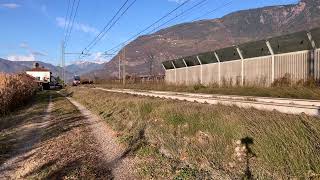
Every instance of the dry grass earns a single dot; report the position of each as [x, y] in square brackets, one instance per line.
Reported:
[66, 148]
[15, 90]
[299, 90]
[188, 140]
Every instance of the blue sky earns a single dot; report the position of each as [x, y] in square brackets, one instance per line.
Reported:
[34, 29]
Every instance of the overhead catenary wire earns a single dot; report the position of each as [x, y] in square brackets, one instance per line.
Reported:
[72, 23]
[111, 26]
[148, 27]
[65, 24]
[115, 49]
[105, 27]
[161, 25]
[178, 15]
[68, 20]
[213, 10]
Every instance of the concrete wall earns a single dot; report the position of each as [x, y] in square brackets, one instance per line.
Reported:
[193, 75]
[256, 71]
[317, 64]
[230, 72]
[170, 76]
[210, 74]
[182, 75]
[296, 64]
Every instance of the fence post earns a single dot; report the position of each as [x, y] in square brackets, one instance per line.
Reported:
[272, 61]
[186, 71]
[163, 67]
[201, 74]
[175, 72]
[242, 68]
[312, 56]
[219, 73]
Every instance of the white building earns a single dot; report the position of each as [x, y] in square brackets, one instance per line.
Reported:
[40, 73]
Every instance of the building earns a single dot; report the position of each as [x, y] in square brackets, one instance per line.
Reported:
[41, 74]
[258, 63]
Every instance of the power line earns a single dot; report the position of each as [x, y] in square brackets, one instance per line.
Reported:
[67, 21]
[65, 24]
[105, 27]
[145, 29]
[224, 5]
[207, 13]
[74, 17]
[110, 27]
[180, 14]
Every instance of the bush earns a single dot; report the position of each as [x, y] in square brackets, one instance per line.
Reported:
[15, 90]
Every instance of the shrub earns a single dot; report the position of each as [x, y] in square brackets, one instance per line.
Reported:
[15, 90]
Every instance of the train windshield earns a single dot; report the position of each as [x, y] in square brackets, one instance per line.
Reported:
[77, 78]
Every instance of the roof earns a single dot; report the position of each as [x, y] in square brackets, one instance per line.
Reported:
[39, 70]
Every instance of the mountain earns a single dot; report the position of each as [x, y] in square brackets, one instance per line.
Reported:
[79, 68]
[11, 66]
[83, 67]
[207, 35]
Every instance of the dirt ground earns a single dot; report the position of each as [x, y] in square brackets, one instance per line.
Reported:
[53, 139]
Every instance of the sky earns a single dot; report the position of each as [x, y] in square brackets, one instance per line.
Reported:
[35, 29]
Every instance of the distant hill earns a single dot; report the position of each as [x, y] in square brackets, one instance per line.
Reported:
[207, 35]
[84, 67]
[11, 66]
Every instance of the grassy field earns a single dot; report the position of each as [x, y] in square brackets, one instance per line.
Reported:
[300, 92]
[189, 141]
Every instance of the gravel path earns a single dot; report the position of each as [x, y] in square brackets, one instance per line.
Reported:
[114, 154]
[28, 135]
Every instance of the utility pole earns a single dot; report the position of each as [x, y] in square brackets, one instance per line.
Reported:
[124, 67]
[63, 54]
[62, 73]
[119, 58]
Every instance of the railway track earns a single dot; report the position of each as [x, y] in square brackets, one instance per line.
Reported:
[284, 105]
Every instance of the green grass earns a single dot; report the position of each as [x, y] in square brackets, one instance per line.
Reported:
[296, 91]
[202, 137]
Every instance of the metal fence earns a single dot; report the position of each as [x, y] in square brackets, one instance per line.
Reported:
[255, 63]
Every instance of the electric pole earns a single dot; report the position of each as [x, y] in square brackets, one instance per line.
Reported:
[124, 67]
[119, 58]
[63, 54]
[62, 73]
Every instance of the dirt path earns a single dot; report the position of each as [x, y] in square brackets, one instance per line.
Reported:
[114, 154]
[27, 136]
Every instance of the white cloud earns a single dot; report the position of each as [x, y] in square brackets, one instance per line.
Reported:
[61, 22]
[97, 58]
[10, 5]
[30, 57]
[25, 45]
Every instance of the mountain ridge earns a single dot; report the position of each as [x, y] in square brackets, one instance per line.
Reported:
[206, 35]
